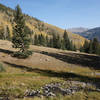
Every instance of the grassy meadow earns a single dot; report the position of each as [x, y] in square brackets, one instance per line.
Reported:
[47, 65]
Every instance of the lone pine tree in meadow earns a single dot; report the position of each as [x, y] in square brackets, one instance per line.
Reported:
[21, 38]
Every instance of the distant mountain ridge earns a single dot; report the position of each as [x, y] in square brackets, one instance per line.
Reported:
[77, 30]
[91, 33]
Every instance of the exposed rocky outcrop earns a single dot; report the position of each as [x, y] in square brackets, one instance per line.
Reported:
[54, 89]
[66, 88]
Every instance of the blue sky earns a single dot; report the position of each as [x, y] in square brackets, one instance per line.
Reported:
[62, 13]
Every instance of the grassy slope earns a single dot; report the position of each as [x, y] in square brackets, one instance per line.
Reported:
[5, 19]
[47, 65]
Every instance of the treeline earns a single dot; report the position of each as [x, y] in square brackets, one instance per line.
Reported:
[5, 33]
[55, 41]
[92, 47]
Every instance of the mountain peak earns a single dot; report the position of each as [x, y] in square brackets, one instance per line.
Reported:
[77, 29]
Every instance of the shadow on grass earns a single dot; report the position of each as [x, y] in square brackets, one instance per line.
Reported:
[79, 59]
[64, 75]
[6, 51]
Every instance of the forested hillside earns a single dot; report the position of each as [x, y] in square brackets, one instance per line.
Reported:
[35, 25]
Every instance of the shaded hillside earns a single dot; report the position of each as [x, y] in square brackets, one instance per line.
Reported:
[37, 26]
[91, 33]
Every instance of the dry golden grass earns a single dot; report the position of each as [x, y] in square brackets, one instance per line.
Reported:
[46, 65]
[31, 22]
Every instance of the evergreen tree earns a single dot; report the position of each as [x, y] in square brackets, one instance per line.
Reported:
[36, 41]
[2, 33]
[30, 33]
[5, 33]
[50, 42]
[66, 40]
[95, 46]
[39, 39]
[47, 41]
[8, 37]
[63, 44]
[86, 46]
[21, 38]
[72, 46]
[58, 42]
[81, 49]
[90, 47]
[54, 40]
[42, 40]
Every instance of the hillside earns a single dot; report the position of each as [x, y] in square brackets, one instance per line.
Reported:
[91, 33]
[6, 19]
[77, 75]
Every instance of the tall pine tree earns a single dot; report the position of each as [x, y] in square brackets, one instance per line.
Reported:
[21, 37]
[66, 40]
[8, 34]
[96, 46]
[36, 41]
[86, 46]
[58, 42]
[90, 47]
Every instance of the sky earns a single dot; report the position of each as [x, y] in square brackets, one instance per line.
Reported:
[62, 13]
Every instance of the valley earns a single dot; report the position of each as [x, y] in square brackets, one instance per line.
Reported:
[40, 61]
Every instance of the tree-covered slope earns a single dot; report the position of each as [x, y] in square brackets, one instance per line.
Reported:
[37, 26]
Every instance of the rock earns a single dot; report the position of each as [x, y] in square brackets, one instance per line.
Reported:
[98, 90]
[47, 59]
[40, 59]
[32, 93]
[22, 84]
[69, 91]
[83, 85]
[53, 89]
[56, 88]
[51, 94]
[1, 98]
[5, 98]
[73, 91]
[89, 84]
[27, 92]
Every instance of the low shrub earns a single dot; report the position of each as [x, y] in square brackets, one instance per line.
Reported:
[22, 55]
[2, 69]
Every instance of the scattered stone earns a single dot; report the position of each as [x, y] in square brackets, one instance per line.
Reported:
[32, 93]
[56, 89]
[98, 90]
[1, 98]
[83, 85]
[47, 59]
[22, 84]
[53, 89]
[40, 59]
